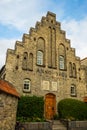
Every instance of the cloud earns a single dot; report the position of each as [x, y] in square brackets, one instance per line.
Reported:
[23, 14]
[5, 44]
[76, 31]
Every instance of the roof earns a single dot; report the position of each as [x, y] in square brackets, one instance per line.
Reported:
[84, 59]
[8, 88]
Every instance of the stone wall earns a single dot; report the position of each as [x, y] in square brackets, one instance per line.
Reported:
[37, 125]
[8, 109]
[77, 125]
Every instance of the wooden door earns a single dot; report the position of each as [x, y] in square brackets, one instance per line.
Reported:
[50, 106]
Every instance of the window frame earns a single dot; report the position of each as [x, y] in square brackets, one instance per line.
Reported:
[26, 83]
[61, 62]
[73, 90]
[40, 57]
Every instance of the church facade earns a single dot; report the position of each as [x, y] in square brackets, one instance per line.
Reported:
[45, 64]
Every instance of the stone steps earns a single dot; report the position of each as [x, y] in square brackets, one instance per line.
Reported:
[57, 125]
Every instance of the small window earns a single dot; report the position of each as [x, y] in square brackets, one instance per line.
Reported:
[39, 58]
[73, 90]
[26, 86]
[61, 62]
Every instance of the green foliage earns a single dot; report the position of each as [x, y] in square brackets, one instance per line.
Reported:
[30, 108]
[72, 109]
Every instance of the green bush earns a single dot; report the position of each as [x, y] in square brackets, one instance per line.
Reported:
[72, 109]
[30, 108]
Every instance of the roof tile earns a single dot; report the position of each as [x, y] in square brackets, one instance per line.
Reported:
[8, 88]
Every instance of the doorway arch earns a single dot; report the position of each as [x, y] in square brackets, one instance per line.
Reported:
[50, 106]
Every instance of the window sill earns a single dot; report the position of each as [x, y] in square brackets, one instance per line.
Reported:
[26, 91]
[73, 95]
[40, 65]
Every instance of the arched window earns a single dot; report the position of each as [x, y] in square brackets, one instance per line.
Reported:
[61, 62]
[73, 90]
[40, 51]
[39, 58]
[62, 57]
[26, 85]
[25, 60]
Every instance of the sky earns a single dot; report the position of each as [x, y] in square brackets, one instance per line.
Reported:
[17, 16]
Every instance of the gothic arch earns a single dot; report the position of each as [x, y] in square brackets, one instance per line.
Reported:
[62, 54]
[41, 48]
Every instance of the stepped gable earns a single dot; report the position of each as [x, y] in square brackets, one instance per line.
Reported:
[49, 22]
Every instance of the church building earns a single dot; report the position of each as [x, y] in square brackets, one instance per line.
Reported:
[45, 64]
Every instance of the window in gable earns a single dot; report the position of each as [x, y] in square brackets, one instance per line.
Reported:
[39, 58]
[61, 62]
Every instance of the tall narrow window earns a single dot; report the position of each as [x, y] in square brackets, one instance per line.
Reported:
[61, 62]
[62, 57]
[40, 51]
[26, 85]
[39, 58]
[73, 90]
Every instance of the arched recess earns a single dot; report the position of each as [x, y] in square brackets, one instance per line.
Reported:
[50, 106]
[25, 60]
[62, 57]
[74, 70]
[70, 70]
[30, 61]
[41, 48]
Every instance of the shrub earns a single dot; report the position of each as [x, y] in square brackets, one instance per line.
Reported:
[30, 108]
[72, 109]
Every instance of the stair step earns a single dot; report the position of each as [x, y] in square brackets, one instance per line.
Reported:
[60, 129]
[57, 125]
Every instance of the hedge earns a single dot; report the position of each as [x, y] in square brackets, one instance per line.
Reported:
[72, 109]
[30, 107]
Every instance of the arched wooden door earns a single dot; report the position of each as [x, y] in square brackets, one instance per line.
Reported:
[50, 106]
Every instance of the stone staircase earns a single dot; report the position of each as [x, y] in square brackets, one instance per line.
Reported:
[57, 125]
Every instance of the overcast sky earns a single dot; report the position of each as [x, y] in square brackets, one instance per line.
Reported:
[17, 16]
